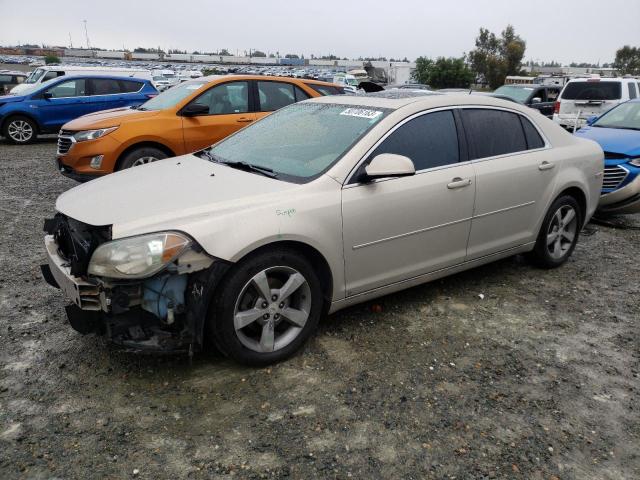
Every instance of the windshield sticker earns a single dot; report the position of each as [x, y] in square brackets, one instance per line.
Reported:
[361, 112]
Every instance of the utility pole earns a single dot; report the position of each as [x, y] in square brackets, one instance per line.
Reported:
[86, 34]
[70, 41]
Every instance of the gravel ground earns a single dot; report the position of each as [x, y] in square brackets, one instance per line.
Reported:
[538, 379]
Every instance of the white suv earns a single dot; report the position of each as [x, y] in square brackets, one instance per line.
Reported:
[582, 98]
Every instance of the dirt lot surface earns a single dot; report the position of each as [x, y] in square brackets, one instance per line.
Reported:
[538, 379]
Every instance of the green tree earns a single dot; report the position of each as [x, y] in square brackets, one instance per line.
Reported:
[51, 59]
[212, 71]
[258, 53]
[148, 50]
[496, 57]
[584, 65]
[291, 55]
[512, 48]
[443, 72]
[628, 60]
[224, 52]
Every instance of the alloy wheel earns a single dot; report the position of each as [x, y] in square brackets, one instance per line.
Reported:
[143, 161]
[20, 131]
[562, 231]
[272, 309]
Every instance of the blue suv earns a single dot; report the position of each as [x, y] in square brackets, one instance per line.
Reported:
[618, 133]
[52, 104]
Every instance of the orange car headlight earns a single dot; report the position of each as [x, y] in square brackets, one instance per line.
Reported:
[85, 135]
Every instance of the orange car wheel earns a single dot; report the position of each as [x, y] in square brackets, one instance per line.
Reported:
[141, 156]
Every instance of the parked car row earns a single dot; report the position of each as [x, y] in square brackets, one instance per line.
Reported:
[247, 243]
[46, 107]
[180, 68]
[22, 118]
[19, 59]
[183, 119]
[572, 104]
[42, 74]
[605, 110]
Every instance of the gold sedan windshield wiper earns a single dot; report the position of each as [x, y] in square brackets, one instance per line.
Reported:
[247, 167]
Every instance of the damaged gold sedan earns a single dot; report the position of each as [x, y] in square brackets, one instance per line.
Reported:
[321, 205]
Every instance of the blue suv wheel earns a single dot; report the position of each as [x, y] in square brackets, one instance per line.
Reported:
[20, 130]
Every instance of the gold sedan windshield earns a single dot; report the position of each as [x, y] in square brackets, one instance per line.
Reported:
[300, 141]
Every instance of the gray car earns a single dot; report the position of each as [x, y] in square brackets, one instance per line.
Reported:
[321, 205]
[540, 97]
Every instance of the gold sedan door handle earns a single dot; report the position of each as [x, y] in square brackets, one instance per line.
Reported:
[546, 166]
[458, 183]
[244, 120]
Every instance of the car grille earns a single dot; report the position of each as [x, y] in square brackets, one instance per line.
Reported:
[613, 177]
[65, 140]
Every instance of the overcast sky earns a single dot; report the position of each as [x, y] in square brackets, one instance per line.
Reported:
[565, 31]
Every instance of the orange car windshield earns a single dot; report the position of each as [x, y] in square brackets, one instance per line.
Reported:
[170, 98]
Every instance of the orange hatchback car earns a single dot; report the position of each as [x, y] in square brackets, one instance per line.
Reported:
[183, 119]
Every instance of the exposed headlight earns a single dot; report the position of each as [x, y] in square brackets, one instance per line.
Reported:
[635, 162]
[92, 134]
[137, 257]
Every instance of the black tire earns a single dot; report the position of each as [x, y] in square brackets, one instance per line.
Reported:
[20, 130]
[543, 253]
[135, 156]
[221, 329]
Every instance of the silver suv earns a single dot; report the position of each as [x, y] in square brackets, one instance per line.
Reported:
[321, 205]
